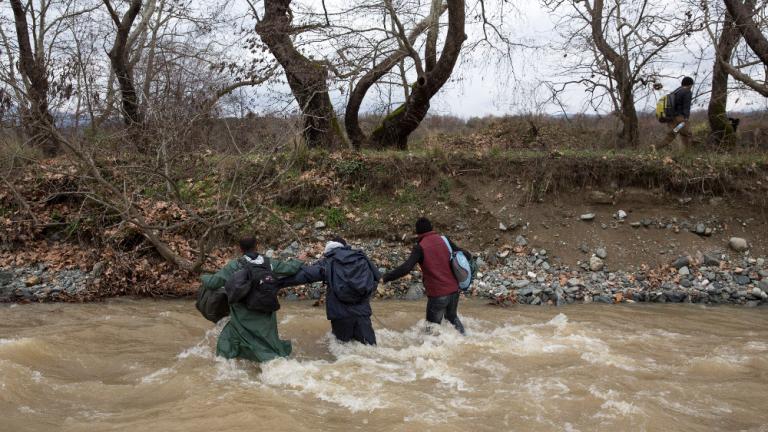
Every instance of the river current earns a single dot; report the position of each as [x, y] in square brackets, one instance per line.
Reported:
[143, 365]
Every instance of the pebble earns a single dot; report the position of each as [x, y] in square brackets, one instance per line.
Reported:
[738, 244]
[596, 264]
[521, 241]
[502, 227]
[602, 299]
[681, 262]
[415, 292]
[98, 269]
[587, 217]
[710, 259]
[601, 253]
[319, 225]
[521, 283]
[684, 271]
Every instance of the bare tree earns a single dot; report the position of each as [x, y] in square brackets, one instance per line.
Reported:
[727, 41]
[432, 72]
[307, 78]
[121, 66]
[36, 116]
[373, 75]
[623, 41]
[752, 24]
[742, 12]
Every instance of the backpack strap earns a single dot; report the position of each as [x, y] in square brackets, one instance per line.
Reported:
[447, 243]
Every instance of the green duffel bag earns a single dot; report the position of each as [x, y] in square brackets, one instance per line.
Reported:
[212, 303]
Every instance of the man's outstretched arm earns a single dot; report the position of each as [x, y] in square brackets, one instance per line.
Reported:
[307, 274]
[417, 256]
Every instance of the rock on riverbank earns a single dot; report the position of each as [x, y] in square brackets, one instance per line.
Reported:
[37, 283]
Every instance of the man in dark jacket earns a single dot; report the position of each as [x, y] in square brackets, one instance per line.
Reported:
[441, 286]
[683, 98]
[350, 279]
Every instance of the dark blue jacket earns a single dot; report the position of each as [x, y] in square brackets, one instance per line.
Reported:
[320, 272]
[683, 101]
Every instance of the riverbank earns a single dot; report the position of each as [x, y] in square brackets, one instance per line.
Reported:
[514, 274]
[550, 227]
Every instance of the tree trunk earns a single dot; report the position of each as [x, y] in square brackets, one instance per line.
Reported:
[630, 130]
[36, 118]
[742, 12]
[356, 96]
[721, 129]
[308, 79]
[397, 126]
[118, 57]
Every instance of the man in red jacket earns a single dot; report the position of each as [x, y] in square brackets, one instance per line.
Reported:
[433, 256]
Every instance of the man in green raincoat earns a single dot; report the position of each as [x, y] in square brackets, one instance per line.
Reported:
[251, 334]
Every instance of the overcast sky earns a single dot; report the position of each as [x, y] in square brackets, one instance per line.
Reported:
[489, 90]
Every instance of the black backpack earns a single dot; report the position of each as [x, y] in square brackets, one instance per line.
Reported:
[254, 286]
[352, 276]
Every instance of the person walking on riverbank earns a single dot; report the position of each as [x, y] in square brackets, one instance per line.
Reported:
[681, 111]
[251, 290]
[350, 279]
[434, 258]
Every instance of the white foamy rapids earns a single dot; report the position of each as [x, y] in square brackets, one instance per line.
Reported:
[156, 376]
[206, 348]
[613, 406]
[12, 341]
[365, 378]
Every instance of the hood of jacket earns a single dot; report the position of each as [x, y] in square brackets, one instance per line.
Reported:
[342, 254]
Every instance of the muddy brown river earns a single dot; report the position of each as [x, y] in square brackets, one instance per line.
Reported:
[142, 365]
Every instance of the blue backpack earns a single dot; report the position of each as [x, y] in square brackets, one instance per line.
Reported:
[462, 267]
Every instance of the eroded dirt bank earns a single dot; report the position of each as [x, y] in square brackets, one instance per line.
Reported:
[531, 219]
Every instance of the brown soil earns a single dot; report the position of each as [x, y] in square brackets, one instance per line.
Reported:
[553, 222]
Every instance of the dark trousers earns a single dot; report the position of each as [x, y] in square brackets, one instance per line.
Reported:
[445, 306]
[354, 328]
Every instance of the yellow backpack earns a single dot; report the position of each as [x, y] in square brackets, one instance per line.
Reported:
[665, 108]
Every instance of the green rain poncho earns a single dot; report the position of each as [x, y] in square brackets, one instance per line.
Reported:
[248, 334]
